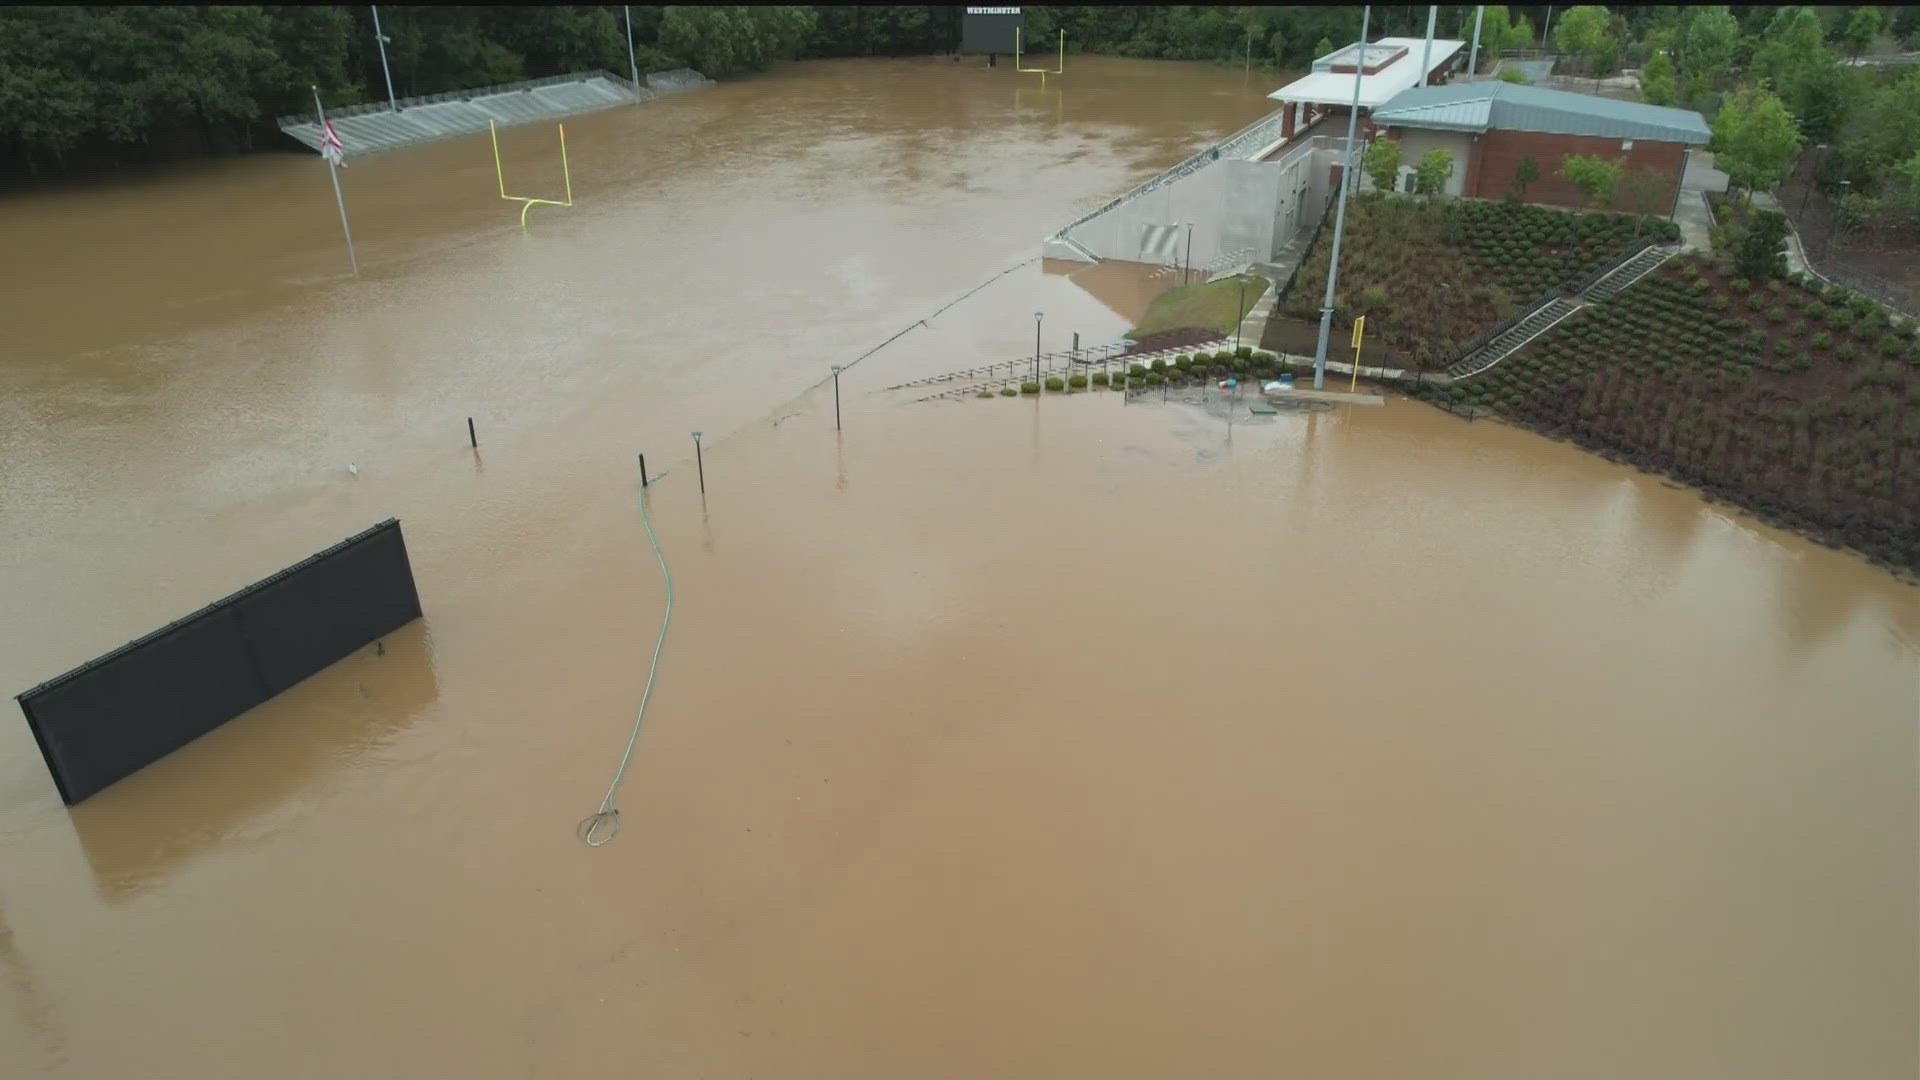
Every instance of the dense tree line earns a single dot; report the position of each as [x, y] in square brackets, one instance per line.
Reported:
[100, 86]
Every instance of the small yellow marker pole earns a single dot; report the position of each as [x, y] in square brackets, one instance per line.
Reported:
[1359, 329]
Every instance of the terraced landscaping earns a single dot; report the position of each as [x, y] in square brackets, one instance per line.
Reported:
[1794, 399]
[1433, 276]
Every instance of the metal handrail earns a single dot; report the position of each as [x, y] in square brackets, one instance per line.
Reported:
[1628, 253]
[1566, 288]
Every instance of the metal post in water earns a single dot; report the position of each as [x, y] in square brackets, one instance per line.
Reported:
[643, 470]
[472, 439]
[1340, 219]
[333, 173]
[836, 397]
[632, 64]
[380, 38]
[700, 463]
[1037, 316]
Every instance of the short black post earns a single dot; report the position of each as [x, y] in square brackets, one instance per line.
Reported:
[700, 463]
[473, 439]
[836, 397]
[643, 470]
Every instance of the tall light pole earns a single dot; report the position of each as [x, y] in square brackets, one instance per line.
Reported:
[1426, 54]
[1037, 316]
[1473, 58]
[1240, 313]
[632, 64]
[1340, 219]
[381, 39]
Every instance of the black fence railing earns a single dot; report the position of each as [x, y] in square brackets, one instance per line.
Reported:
[1326, 212]
[1481, 342]
[1627, 253]
[1569, 287]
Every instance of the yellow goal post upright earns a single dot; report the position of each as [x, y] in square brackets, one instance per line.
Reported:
[527, 203]
[1059, 67]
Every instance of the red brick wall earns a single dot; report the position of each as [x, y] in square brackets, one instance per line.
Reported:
[1497, 154]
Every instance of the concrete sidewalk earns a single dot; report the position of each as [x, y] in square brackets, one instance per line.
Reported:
[1692, 214]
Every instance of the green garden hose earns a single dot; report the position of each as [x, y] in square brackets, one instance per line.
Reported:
[604, 825]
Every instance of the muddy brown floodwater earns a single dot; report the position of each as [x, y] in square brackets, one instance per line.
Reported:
[1008, 738]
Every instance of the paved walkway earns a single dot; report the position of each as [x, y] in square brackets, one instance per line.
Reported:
[1692, 215]
[1254, 326]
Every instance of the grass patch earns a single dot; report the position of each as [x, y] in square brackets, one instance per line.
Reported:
[1213, 306]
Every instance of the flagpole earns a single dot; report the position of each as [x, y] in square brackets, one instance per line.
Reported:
[334, 172]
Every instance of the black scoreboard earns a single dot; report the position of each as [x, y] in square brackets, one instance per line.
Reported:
[990, 30]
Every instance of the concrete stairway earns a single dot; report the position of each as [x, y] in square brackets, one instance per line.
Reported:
[1628, 272]
[1517, 335]
[1610, 285]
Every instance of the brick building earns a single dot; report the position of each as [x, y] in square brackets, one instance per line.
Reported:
[1489, 127]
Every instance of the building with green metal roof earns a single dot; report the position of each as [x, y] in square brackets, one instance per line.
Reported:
[1490, 127]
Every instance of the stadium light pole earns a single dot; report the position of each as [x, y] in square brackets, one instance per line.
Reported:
[381, 39]
[1340, 218]
[1473, 58]
[1426, 53]
[632, 64]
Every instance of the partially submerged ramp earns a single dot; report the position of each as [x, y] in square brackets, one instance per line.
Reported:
[375, 126]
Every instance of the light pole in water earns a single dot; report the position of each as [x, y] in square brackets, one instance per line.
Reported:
[381, 39]
[632, 64]
[1340, 219]
[1037, 316]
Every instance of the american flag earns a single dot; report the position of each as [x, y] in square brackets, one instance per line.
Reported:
[330, 147]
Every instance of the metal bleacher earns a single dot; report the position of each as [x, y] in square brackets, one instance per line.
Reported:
[376, 126]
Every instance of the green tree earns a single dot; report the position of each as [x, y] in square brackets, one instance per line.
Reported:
[1892, 129]
[1657, 80]
[1277, 47]
[1381, 163]
[1906, 25]
[1431, 173]
[1825, 99]
[1595, 176]
[1761, 252]
[1754, 139]
[1322, 48]
[1703, 47]
[721, 41]
[1861, 28]
[1499, 32]
[1646, 191]
[1587, 31]
[1524, 174]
